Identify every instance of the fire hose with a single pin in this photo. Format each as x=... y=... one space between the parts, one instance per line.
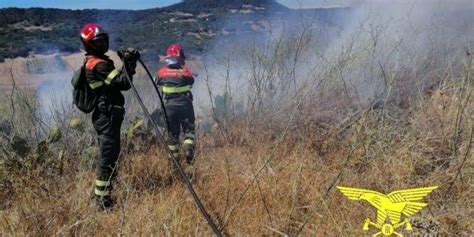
x=161 y=140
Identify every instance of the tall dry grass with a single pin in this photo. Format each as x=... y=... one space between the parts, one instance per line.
x=295 y=188
x=270 y=151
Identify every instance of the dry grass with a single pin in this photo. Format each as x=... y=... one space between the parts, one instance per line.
x=282 y=139
x=375 y=153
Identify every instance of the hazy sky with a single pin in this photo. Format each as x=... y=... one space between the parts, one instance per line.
x=138 y=4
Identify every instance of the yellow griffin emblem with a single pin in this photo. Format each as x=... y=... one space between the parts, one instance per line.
x=391 y=206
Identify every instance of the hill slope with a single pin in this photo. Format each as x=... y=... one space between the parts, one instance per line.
x=192 y=23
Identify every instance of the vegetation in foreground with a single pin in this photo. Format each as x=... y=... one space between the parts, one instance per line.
x=270 y=157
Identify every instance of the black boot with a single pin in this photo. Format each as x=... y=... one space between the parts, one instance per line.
x=104 y=203
x=189 y=154
x=188 y=150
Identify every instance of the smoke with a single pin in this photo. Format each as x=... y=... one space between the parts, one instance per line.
x=232 y=58
x=412 y=37
x=262 y=60
x=54 y=93
x=356 y=3
x=376 y=50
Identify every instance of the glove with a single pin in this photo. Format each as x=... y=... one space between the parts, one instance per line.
x=129 y=56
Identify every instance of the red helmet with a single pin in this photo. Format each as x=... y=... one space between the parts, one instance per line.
x=91 y=32
x=175 y=50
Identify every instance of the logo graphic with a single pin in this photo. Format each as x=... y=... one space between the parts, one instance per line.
x=390 y=206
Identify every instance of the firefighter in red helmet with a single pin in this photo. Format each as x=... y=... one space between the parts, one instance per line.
x=176 y=81
x=107 y=117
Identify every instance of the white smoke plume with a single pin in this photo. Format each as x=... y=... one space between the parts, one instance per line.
x=367 y=48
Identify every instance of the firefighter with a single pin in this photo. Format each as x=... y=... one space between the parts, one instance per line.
x=107 y=82
x=176 y=81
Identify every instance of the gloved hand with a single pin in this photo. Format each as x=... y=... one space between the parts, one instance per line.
x=129 y=56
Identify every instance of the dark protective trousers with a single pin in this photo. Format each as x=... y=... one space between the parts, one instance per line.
x=180 y=116
x=107 y=123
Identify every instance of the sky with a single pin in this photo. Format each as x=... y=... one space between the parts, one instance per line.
x=138 y=4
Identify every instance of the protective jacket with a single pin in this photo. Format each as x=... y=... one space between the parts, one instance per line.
x=175 y=82
x=102 y=76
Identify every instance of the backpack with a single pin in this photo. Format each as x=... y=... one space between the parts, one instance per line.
x=83 y=96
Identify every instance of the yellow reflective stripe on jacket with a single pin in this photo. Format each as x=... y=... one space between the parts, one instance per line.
x=96 y=84
x=102 y=183
x=101 y=193
x=189 y=141
x=181 y=89
x=111 y=76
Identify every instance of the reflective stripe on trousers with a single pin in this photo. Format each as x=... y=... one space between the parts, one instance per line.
x=174 y=150
x=189 y=141
x=102 y=187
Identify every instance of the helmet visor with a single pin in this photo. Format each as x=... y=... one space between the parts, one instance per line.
x=100 y=43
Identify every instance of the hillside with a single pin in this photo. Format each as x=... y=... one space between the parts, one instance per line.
x=197 y=6
x=192 y=23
